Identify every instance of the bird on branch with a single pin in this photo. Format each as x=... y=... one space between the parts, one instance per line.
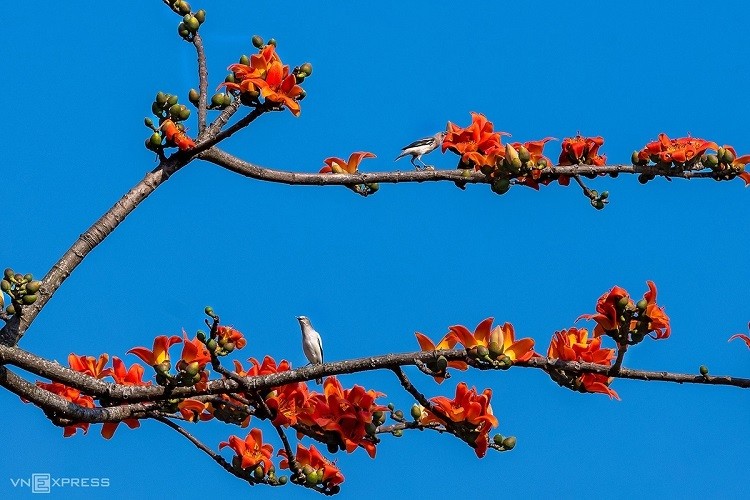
x=422 y=147
x=312 y=344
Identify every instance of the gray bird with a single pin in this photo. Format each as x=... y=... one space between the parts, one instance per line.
x=422 y=147
x=312 y=344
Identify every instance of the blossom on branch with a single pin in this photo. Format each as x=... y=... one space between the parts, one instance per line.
x=473 y=142
x=581 y=150
x=574 y=344
x=160 y=353
x=742 y=337
x=499 y=341
x=339 y=166
x=124 y=376
x=449 y=341
x=681 y=151
x=74 y=396
x=89 y=365
x=250 y=452
x=311 y=460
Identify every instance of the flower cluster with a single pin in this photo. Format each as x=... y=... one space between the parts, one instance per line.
x=617 y=316
x=334 y=165
x=315 y=468
x=264 y=75
x=581 y=150
x=469 y=411
x=575 y=344
x=686 y=153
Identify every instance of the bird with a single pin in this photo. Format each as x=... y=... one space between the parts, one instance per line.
x=312 y=344
x=422 y=147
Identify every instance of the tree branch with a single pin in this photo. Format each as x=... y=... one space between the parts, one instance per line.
x=202 y=82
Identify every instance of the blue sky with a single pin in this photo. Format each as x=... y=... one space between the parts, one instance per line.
x=370 y=272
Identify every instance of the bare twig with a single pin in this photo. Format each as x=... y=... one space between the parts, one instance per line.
x=202 y=82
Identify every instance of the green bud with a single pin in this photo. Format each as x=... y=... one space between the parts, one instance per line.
x=398 y=433
x=704 y=370
x=509 y=443
x=597 y=204
x=711 y=161
x=398 y=414
x=623 y=303
x=209 y=311
x=229 y=78
x=27 y=300
x=217 y=100
x=161 y=98
x=482 y=351
x=172 y=100
x=184 y=113
x=201 y=16
x=182 y=30
x=495 y=349
x=641 y=305
x=228 y=99
x=193 y=368
x=257 y=41
x=163 y=367
x=391 y=406
x=228 y=347
x=332 y=447
x=18 y=278
x=33 y=286
x=306 y=69
x=10 y=310
x=211 y=345
x=155 y=139
x=501 y=185
x=244 y=59
x=416 y=412
x=193 y=96
x=201 y=335
x=5 y=285
x=282 y=479
x=183 y=7
x=498 y=439
x=272 y=41
x=148 y=122
x=192 y=24
x=604 y=195
x=311 y=478
x=727 y=157
x=541 y=163
x=371 y=428
x=634 y=158
x=2 y=301
x=441 y=363
x=156 y=109
x=258 y=473
x=524 y=154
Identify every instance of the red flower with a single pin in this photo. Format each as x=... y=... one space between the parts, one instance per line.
x=680 y=151
x=176 y=135
x=742 y=337
x=74 y=396
x=539 y=161
x=193 y=351
x=447 y=342
x=345 y=412
x=575 y=345
x=581 y=150
x=193 y=410
x=607 y=315
x=160 y=352
x=339 y=166
x=474 y=141
x=90 y=365
x=251 y=452
x=123 y=376
x=467 y=408
x=503 y=336
x=314 y=460
x=227 y=334
x=658 y=321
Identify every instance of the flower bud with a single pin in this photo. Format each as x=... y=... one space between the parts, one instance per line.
x=5 y=285
x=161 y=98
x=524 y=154
x=183 y=7
x=634 y=159
x=509 y=443
x=258 y=473
x=441 y=363
x=193 y=368
x=306 y=69
x=416 y=411
x=371 y=428
x=155 y=140
x=193 y=96
x=642 y=305
x=201 y=16
x=282 y=479
x=498 y=439
x=398 y=433
x=10 y=310
x=257 y=41
x=172 y=100
x=272 y=41
x=184 y=113
x=182 y=30
x=482 y=351
x=501 y=186
x=496 y=349
x=704 y=370
x=244 y=60
x=27 y=300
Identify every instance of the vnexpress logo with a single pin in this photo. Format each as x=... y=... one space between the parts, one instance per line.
x=46 y=483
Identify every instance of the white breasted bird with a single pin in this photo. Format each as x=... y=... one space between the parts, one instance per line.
x=422 y=147
x=312 y=344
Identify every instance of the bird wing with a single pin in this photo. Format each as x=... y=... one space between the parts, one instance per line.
x=320 y=344
x=421 y=142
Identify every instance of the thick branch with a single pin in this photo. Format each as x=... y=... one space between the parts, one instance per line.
x=202 y=82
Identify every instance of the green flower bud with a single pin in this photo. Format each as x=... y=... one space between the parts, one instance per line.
x=228 y=99
x=201 y=16
x=163 y=367
x=272 y=41
x=18 y=278
x=5 y=285
x=501 y=186
x=229 y=78
x=482 y=351
x=33 y=286
x=182 y=30
x=183 y=7
x=391 y=406
x=193 y=96
x=306 y=69
x=373 y=187
x=634 y=158
x=193 y=368
x=228 y=347
x=398 y=414
x=311 y=478
x=192 y=24
x=641 y=305
x=184 y=113
x=371 y=428
x=495 y=349
x=704 y=370
x=161 y=98
x=509 y=443
x=416 y=412
x=398 y=433
x=441 y=364
x=10 y=310
x=148 y=122
x=172 y=100
x=27 y=300
x=155 y=140
x=211 y=345
x=257 y=41
x=727 y=157
x=282 y=479
x=498 y=439
x=524 y=154
x=217 y=100
x=244 y=59
x=201 y=335
x=258 y=473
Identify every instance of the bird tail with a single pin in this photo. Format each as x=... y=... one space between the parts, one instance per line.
x=400 y=156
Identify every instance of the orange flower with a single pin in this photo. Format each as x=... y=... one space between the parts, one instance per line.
x=311 y=457
x=176 y=136
x=74 y=396
x=575 y=345
x=123 y=376
x=160 y=352
x=258 y=67
x=742 y=337
x=447 y=342
x=280 y=86
x=474 y=141
x=658 y=321
x=467 y=408
x=193 y=351
x=193 y=410
x=339 y=166
x=345 y=412
x=251 y=452
x=607 y=315
x=229 y=334
x=680 y=151
x=581 y=150
x=287 y=402
x=503 y=336
x=90 y=365
x=539 y=161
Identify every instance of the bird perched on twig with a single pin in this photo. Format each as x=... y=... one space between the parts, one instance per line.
x=312 y=344
x=422 y=147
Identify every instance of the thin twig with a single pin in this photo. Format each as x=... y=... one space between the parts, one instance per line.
x=202 y=82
